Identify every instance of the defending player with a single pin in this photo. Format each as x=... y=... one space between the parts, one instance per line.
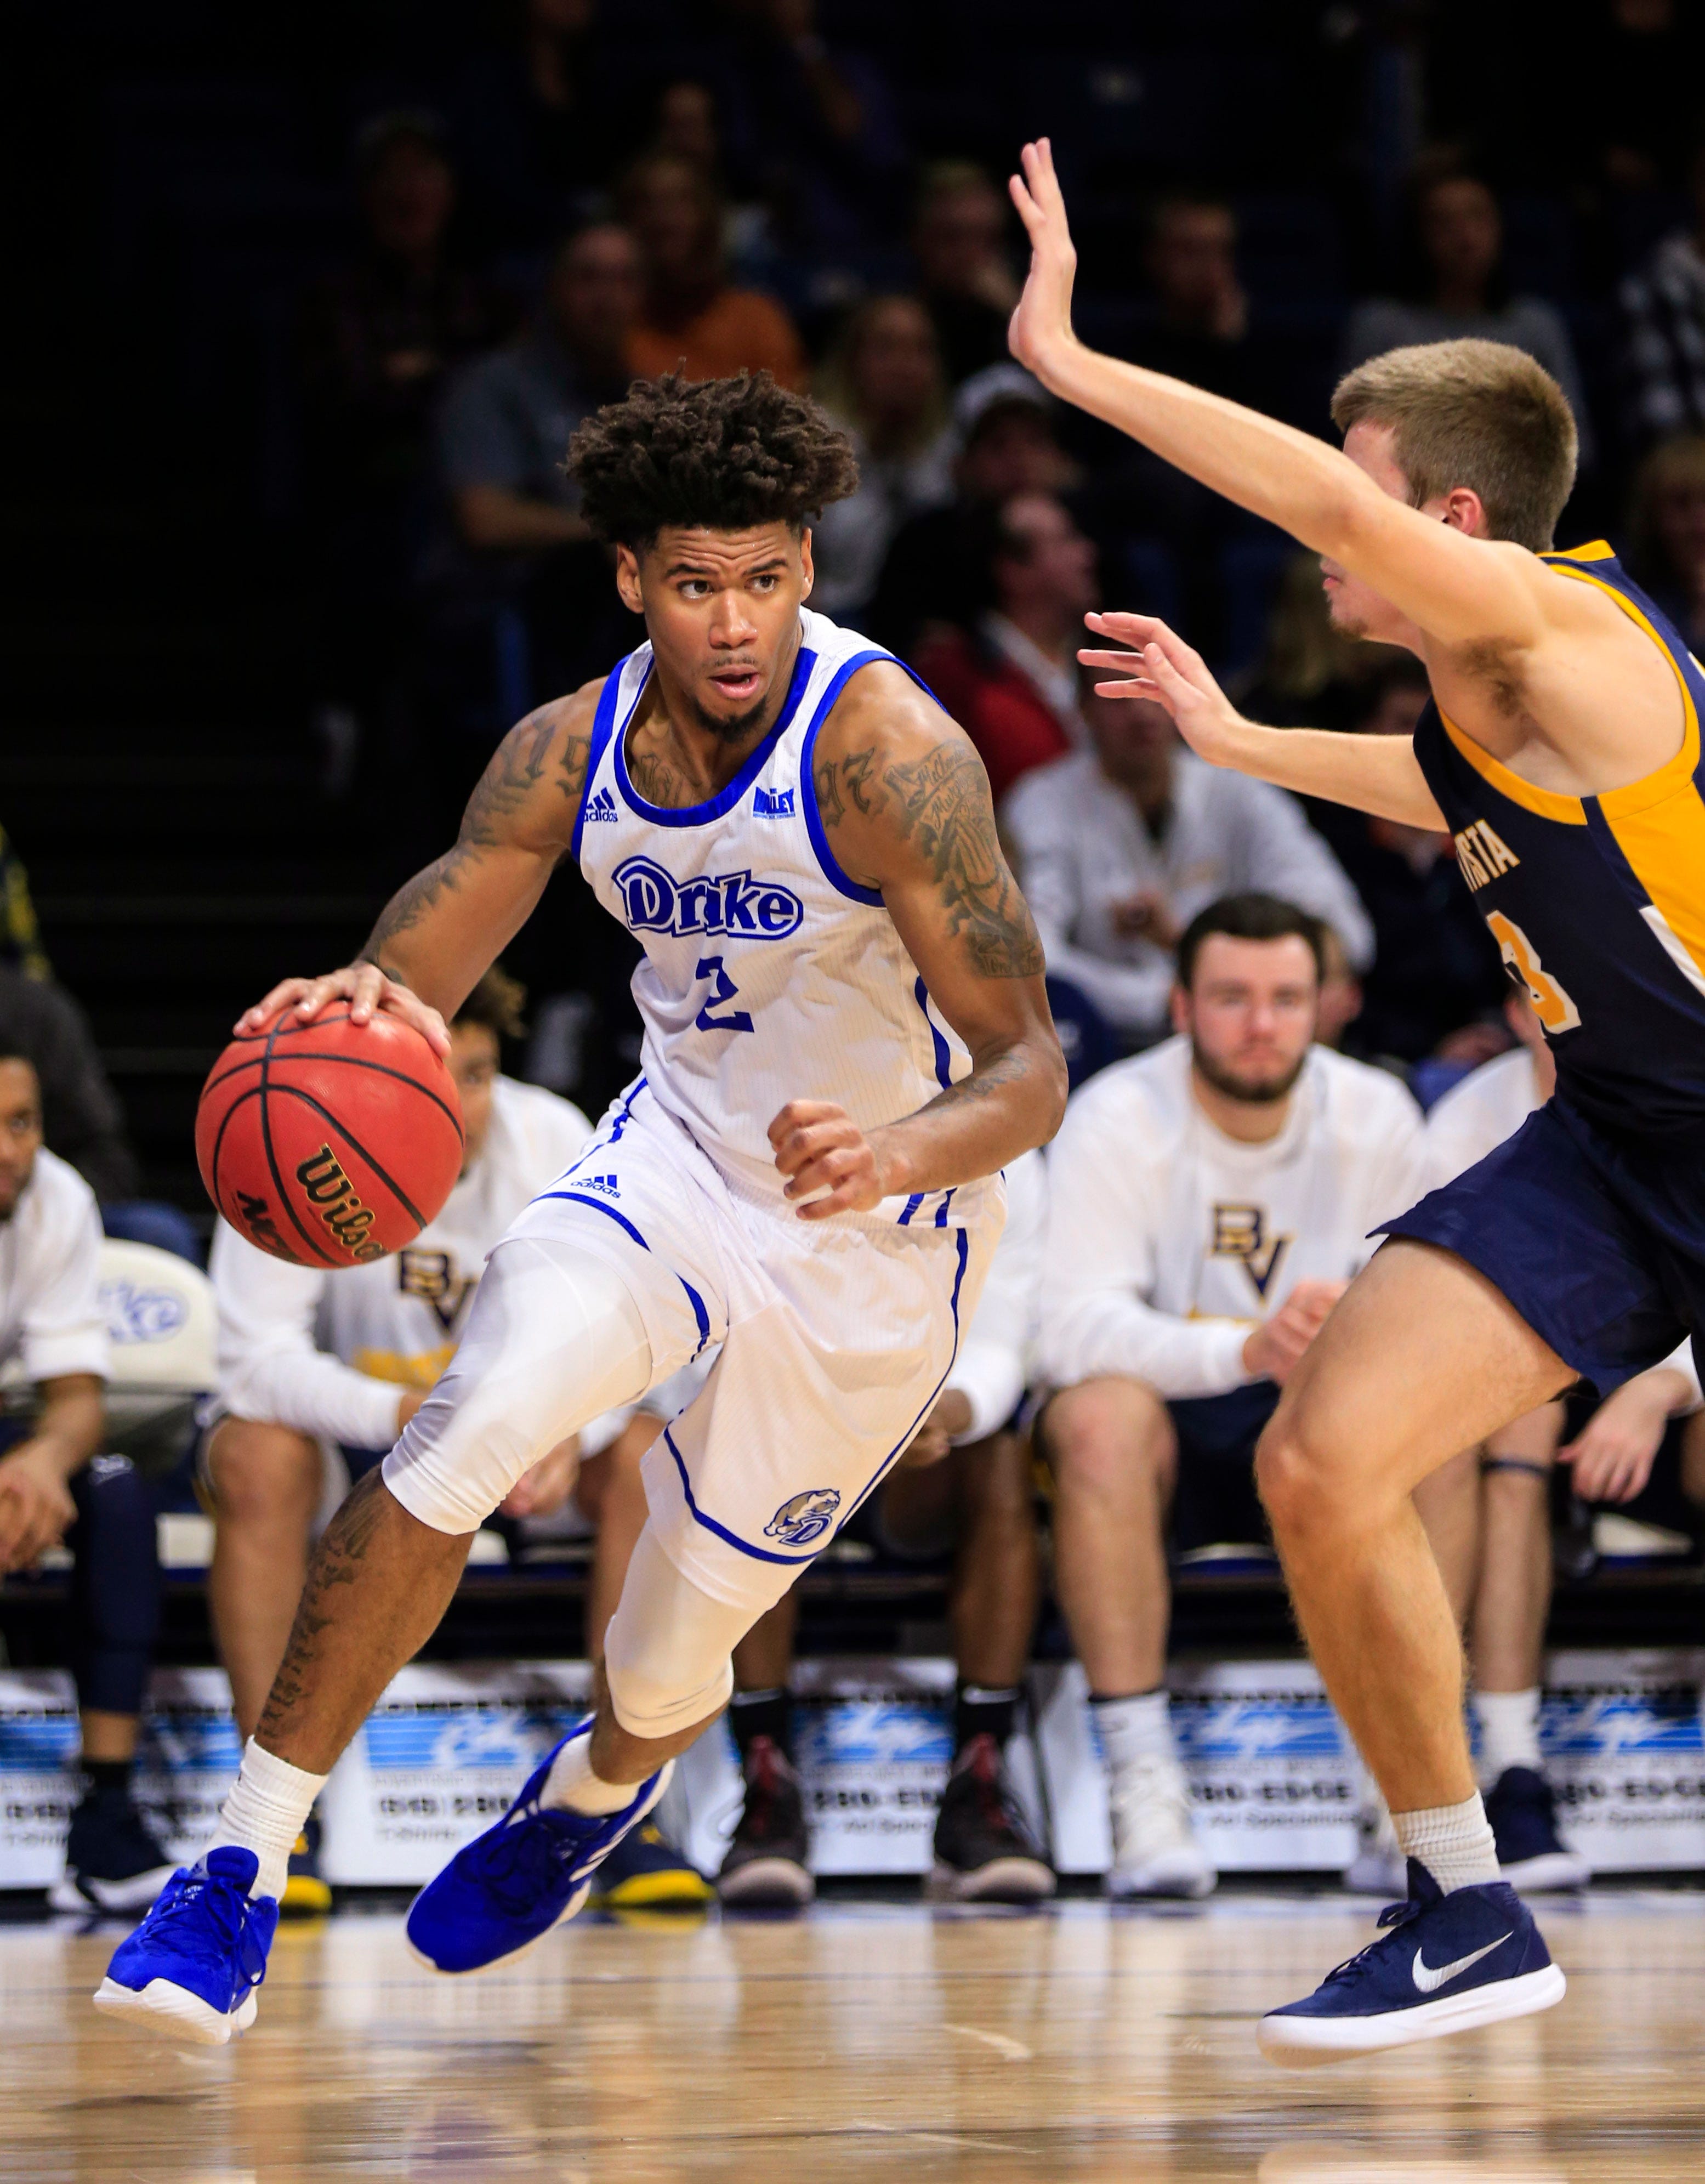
x=1562 y=752
x=846 y=1036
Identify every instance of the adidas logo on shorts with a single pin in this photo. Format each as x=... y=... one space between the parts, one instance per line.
x=605 y=1184
x=603 y=806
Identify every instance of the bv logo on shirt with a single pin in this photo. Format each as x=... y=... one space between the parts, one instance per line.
x=655 y=901
x=1240 y=1232
x=432 y=1277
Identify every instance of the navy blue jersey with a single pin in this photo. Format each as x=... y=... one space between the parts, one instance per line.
x=1598 y=902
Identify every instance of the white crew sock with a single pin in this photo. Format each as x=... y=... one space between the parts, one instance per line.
x=1140 y=1728
x=571 y=1782
x=1509 y=1732
x=1454 y=1842
x=268 y=1803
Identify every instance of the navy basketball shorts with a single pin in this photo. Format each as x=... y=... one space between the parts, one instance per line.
x=1215 y=1502
x=1599 y=1245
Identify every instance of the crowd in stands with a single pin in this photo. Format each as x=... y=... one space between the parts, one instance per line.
x=1263 y=997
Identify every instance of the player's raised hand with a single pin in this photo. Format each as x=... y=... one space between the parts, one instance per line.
x=367 y=988
x=1042 y=324
x=1158 y=664
x=820 y=1149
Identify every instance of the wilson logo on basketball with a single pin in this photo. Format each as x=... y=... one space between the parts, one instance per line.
x=328 y=1190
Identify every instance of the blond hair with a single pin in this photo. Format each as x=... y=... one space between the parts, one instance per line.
x=1478 y=414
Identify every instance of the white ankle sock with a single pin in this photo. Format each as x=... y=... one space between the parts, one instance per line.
x=1454 y=1842
x=269 y=1802
x=1509 y=1732
x=1140 y=1728
x=571 y=1782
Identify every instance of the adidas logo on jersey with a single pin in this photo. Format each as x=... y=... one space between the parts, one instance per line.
x=603 y=806
x=655 y=901
x=773 y=803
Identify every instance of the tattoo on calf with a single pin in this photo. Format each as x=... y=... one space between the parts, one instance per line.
x=337 y=1560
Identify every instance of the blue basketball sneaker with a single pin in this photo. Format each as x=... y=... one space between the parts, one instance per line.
x=191 y=1969
x=1448 y=1964
x=504 y=1891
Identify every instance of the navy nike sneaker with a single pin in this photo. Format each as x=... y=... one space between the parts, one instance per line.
x=192 y=1968
x=504 y=1891
x=1448 y=1964
x=1521 y=1807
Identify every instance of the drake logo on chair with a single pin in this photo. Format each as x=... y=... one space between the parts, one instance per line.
x=805 y=1517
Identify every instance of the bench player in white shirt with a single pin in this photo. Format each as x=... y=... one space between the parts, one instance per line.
x=963 y=1487
x=54 y=1486
x=1209 y=1201
x=846 y=1037
x=1488 y=1515
x=321 y=1369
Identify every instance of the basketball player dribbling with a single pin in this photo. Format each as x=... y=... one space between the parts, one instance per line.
x=1562 y=751
x=846 y=1036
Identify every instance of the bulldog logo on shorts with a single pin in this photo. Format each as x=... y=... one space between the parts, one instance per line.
x=797 y=1522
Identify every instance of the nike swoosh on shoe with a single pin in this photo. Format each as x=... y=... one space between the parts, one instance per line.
x=1428 y=1981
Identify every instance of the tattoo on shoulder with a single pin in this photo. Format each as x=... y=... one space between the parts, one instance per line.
x=943 y=806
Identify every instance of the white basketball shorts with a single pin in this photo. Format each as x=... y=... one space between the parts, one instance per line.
x=836 y=1337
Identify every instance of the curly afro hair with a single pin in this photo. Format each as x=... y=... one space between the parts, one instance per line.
x=725 y=453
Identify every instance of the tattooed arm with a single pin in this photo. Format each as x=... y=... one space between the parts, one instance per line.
x=905 y=806
x=445 y=926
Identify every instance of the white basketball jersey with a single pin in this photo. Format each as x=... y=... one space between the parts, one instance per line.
x=769 y=975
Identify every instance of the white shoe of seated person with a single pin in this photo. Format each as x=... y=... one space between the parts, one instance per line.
x=1379 y=1866
x=1156 y=1848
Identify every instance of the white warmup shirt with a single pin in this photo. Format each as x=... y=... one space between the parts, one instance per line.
x=1475 y=1117
x=1168 y=1240
x=1083 y=849
x=51 y=1319
x=327 y=1351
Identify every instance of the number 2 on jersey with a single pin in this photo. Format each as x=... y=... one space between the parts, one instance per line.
x=724 y=990
x=1551 y=1004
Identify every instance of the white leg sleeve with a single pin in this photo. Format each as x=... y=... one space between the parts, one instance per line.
x=552 y=1339
x=667 y=1654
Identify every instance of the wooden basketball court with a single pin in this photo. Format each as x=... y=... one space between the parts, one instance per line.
x=868 y=2040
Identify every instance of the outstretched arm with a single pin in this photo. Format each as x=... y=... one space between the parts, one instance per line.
x=1378 y=774
x=905 y=803
x=1459 y=588
x=446 y=927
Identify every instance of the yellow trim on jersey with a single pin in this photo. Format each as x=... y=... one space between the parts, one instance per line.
x=1676 y=773
x=1664 y=845
x=1546 y=803
x=1601 y=549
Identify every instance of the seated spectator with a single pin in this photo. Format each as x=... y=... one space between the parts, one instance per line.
x=1120 y=846
x=1209 y=1202
x=1488 y=1513
x=1460 y=290
x=542 y=118
x=1309 y=674
x=691 y=320
x=963 y=1487
x=380 y=334
x=1436 y=986
x=54 y=1486
x=811 y=129
x=20 y=938
x=1663 y=329
x=882 y=381
x=959 y=239
x=1666 y=552
x=82 y=1119
x=502 y=440
x=935 y=576
x=1011 y=683
x=1195 y=326
x=312 y=1362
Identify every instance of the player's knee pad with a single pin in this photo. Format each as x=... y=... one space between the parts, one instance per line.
x=554 y=1341
x=668 y=1653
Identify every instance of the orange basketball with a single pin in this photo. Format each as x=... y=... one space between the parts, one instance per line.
x=329 y=1143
